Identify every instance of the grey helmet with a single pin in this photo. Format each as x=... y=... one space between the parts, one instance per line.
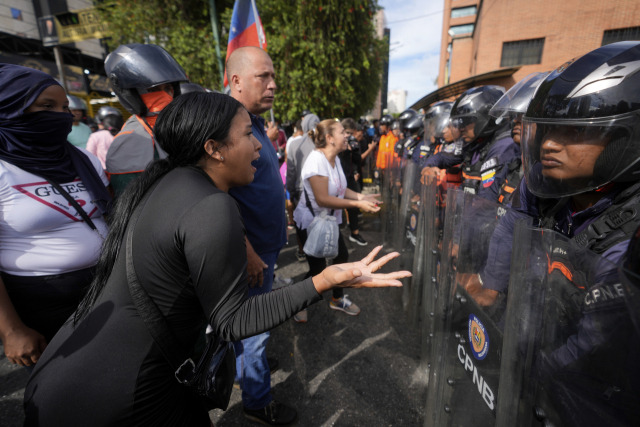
x=105 y=111
x=132 y=68
x=436 y=119
x=414 y=126
x=516 y=100
x=76 y=103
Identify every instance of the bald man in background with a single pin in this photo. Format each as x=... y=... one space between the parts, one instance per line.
x=252 y=81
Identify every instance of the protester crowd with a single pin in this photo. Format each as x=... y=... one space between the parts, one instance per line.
x=145 y=234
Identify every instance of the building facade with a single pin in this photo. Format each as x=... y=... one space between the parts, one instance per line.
x=502 y=41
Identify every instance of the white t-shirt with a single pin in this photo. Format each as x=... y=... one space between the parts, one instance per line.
x=291 y=140
x=40 y=232
x=317 y=164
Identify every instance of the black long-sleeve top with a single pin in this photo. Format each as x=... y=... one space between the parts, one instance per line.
x=189 y=254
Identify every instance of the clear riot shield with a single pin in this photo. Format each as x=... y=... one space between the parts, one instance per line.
x=631 y=282
x=408 y=237
x=394 y=169
x=409 y=195
x=571 y=353
x=467 y=336
x=386 y=194
x=429 y=263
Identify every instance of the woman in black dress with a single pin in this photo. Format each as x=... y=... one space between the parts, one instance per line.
x=104 y=368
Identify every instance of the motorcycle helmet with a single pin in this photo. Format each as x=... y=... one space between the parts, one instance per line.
x=106 y=111
x=133 y=68
x=582 y=127
x=76 y=103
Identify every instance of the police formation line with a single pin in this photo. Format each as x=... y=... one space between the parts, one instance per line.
x=517 y=213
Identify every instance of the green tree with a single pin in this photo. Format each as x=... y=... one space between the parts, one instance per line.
x=182 y=27
x=326 y=55
x=325 y=52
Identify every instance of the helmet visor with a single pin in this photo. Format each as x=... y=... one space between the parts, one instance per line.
x=563 y=158
x=462 y=122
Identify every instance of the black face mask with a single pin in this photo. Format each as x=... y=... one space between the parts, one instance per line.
x=37 y=143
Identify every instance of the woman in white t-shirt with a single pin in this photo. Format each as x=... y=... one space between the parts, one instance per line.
x=325 y=189
x=52 y=200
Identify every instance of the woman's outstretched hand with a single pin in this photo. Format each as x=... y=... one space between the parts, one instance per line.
x=360 y=274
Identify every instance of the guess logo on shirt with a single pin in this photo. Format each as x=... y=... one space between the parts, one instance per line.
x=45 y=193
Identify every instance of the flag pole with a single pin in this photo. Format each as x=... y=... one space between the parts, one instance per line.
x=216 y=36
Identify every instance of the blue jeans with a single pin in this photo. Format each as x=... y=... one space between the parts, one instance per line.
x=252 y=369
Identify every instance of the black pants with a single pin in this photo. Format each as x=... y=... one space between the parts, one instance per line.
x=352 y=184
x=44 y=303
x=316 y=265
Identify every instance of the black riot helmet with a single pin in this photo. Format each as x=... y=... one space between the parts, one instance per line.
x=414 y=127
x=585 y=115
x=133 y=68
x=386 y=119
x=473 y=106
x=436 y=119
x=106 y=111
x=188 y=87
x=406 y=116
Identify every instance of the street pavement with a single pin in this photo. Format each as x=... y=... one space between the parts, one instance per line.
x=336 y=370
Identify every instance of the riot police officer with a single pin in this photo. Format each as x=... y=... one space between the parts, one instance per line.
x=145 y=79
x=403 y=120
x=436 y=132
x=487 y=146
x=511 y=107
x=387 y=142
x=414 y=135
x=581 y=152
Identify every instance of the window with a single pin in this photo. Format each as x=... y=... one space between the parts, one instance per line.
x=461 y=29
x=463 y=11
x=620 y=35
x=522 y=52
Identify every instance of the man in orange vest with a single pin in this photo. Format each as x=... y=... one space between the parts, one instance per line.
x=387 y=142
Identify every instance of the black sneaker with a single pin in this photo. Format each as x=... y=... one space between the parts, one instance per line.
x=357 y=238
x=274 y=414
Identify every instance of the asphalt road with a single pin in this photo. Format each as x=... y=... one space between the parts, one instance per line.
x=336 y=370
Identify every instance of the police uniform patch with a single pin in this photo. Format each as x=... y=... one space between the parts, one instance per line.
x=478 y=338
x=488 y=177
x=413 y=221
x=489 y=164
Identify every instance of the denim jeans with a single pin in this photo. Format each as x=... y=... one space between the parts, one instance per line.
x=252 y=369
